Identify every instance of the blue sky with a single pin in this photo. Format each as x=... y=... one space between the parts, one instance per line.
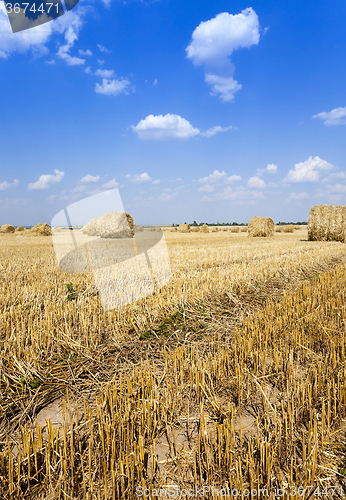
x=195 y=110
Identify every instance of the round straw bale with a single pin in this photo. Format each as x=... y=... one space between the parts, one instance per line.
x=288 y=228
x=205 y=228
x=40 y=230
x=195 y=229
x=20 y=228
x=327 y=223
x=7 y=228
x=297 y=227
x=278 y=229
x=174 y=229
x=243 y=229
x=235 y=229
x=184 y=228
x=110 y=225
x=261 y=226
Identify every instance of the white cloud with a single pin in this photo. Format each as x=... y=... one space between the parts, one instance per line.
x=50 y=62
x=155 y=83
x=215 y=130
x=71 y=27
x=111 y=184
x=214 y=41
x=164 y=127
x=271 y=168
x=332 y=177
x=90 y=178
x=88 y=70
x=338 y=188
x=105 y=73
x=256 y=182
x=103 y=49
x=139 y=178
x=298 y=196
x=22 y=41
x=112 y=87
x=208 y=188
x=223 y=85
x=157 y=182
x=336 y=116
x=100 y=62
x=78 y=189
x=51 y=197
x=217 y=177
x=5 y=185
x=240 y=194
x=308 y=171
x=85 y=52
x=168 y=194
x=45 y=180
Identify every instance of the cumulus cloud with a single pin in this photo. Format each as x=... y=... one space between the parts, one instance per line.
x=111 y=184
x=6 y=185
x=157 y=182
x=208 y=188
x=112 y=87
x=85 y=52
x=164 y=127
x=216 y=130
x=336 y=116
x=214 y=41
x=298 y=196
x=239 y=194
x=90 y=178
x=256 y=182
x=103 y=49
x=217 y=177
x=308 y=171
x=45 y=180
x=71 y=35
x=105 y=73
x=338 y=188
x=271 y=168
x=139 y=178
x=335 y=176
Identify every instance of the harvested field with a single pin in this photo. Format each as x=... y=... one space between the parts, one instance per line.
x=233 y=375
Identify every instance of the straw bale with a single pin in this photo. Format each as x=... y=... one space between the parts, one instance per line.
x=243 y=229
x=278 y=229
x=174 y=229
x=288 y=228
x=261 y=226
x=20 y=228
x=327 y=223
x=184 y=228
x=40 y=230
x=195 y=229
x=297 y=227
x=7 y=228
x=235 y=229
x=205 y=228
x=225 y=229
x=110 y=225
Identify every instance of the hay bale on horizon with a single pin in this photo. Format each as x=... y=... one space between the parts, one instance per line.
x=195 y=229
x=327 y=223
x=204 y=228
x=40 y=230
x=19 y=228
x=174 y=229
x=288 y=228
x=278 y=229
x=297 y=227
x=225 y=229
x=184 y=228
x=235 y=229
x=243 y=229
x=261 y=226
x=7 y=228
x=110 y=225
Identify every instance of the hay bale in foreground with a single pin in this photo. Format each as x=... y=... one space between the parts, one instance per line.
x=7 y=228
x=19 y=228
x=260 y=226
x=110 y=225
x=327 y=223
x=184 y=228
x=235 y=229
x=40 y=230
x=205 y=228
x=289 y=228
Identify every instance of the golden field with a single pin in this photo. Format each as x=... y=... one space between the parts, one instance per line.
x=231 y=376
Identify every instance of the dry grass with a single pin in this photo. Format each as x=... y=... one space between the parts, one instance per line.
x=233 y=375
